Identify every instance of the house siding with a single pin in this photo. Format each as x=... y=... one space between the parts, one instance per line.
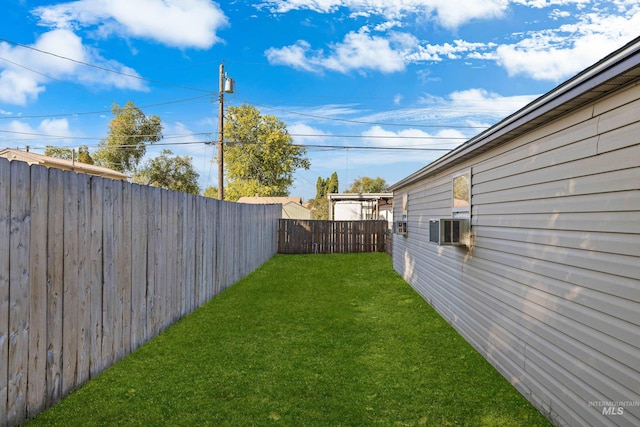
x=549 y=291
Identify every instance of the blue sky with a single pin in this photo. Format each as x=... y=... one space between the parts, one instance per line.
x=371 y=87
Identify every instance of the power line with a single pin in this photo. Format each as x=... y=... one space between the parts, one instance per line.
x=356 y=147
x=170 y=136
x=371 y=123
x=329 y=147
x=451 y=138
x=456 y=138
x=86 y=113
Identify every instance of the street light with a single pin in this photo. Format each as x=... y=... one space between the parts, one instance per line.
x=226 y=85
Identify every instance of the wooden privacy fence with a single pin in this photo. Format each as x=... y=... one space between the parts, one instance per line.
x=296 y=236
x=91 y=268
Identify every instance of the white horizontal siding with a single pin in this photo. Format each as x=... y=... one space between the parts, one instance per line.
x=549 y=292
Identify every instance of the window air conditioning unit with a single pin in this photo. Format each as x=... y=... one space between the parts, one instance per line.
x=449 y=231
x=401 y=227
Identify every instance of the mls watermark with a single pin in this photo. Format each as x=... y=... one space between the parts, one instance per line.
x=614 y=407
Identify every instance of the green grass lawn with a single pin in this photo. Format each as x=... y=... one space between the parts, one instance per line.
x=305 y=340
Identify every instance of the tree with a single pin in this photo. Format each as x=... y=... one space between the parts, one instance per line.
x=320 y=205
x=82 y=155
x=368 y=185
x=129 y=133
x=332 y=184
x=326 y=186
x=260 y=157
x=170 y=172
x=319 y=208
x=211 y=192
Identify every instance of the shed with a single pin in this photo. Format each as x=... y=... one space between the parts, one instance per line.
x=547 y=284
x=360 y=206
x=292 y=207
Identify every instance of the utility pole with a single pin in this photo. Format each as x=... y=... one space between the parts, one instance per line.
x=221 y=136
x=226 y=85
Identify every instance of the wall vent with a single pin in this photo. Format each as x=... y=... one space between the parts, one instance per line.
x=449 y=231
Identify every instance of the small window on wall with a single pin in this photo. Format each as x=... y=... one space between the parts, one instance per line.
x=461 y=206
x=405 y=202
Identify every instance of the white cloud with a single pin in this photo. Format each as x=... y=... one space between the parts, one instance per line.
x=539 y=4
x=363 y=51
x=16 y=88
x=307 y=135
x=483 y=103
x=453 y=50
x=178 y=23
x=444 y=138
x=388 y=25
x=466 y=112
x=559 y=53
x=27 y=71
x=357 y=51
x=559 y=14
x=298 y=55
x=57 y=127
x=54 y=132
x=454 y=13
x=448 y=13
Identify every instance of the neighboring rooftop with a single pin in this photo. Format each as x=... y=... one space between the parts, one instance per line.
x=270 y=200
x=54 y=162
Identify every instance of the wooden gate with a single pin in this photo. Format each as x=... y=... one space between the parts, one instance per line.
x=297 y=236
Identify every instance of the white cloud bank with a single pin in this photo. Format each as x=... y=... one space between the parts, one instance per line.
x=25 y=72
x=448 y=13
x=175 y=23
x=559 y=53
x=28 y=69
x=358 y=51
x=54 y=132
x=550 y=54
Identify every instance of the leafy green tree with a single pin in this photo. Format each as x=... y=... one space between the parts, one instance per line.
x=326 y=186
x=321 y=188
x=332 y=183
x=211 y=192
x=319 y=208
x=368 y=185
x=320 y=205
x=249 y=187
x=170 y=172
x=260 y=157
x=129 y=133
x=82 y=155
x=58 y=152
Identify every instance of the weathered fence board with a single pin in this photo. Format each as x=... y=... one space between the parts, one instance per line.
x=5 y=232
x=84 y=278
x=90 y=269
x=318 y=236
x=70 y=284
x=55 y=280
x=95 y=277
x=36 y=382
x=19 y=291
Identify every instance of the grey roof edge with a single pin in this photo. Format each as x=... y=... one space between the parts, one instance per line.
x=358 y=196
x=71 y=165
x=613 y=65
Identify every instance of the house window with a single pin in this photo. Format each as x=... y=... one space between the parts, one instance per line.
x=461 y=204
